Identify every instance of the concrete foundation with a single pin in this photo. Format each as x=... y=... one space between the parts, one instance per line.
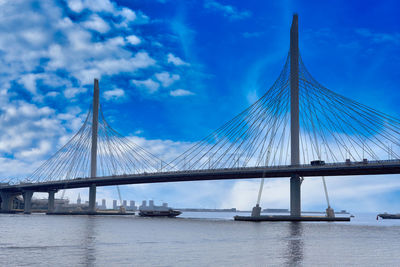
x=330 y=213
x=295 y=196
x=50 y=203
x=290 y=218
x=27 y=201
x=92 y=198
x=6 y=201
x=256 y=211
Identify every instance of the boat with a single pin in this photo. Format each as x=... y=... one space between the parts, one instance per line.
x=157 y=211
x=160 y=213
x=388 y=216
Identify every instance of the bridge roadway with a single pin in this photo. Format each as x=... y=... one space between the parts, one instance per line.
x=336 y=169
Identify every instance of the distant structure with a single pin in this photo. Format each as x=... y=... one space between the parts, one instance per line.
x=42 y=204
x=115 y=207
x=103 y=205
x=151 y=206
x=132 y=206
x=79 y=201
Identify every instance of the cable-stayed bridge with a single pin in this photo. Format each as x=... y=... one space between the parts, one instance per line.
x=295 y=122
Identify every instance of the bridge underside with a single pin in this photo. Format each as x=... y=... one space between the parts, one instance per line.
x=388 y=167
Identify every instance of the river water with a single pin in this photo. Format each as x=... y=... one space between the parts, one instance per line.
x=195 y=239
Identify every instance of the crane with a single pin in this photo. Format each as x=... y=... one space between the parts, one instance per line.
x=122 y=209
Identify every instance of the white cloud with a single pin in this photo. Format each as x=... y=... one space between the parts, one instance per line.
x=115 y=42
x=228 y=11
x=114 y=94
x=44 y=147
x=180 y=92
x=138 y=132
x=53 y=57
x=34 y=36
x=49 y=39
x=166 y=78
x=95 y=5
x=133 y=39
x=72 y=92
x=111 y=66
x=128 y=14
x=100 y=5
x=149 y=85
x=96 y=23
x=24 y=124
x=75 y=5
x=378 y=37
x=52 y=94
x=176 y=60
x=167 y=150
x=29 y=82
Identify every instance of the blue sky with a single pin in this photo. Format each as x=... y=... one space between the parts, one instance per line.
x=171 y=71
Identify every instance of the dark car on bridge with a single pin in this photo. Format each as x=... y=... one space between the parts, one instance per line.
x=317 y=163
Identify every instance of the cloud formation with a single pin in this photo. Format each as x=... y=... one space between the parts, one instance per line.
x=50 y=53
x=148 y=85
x=114 y=94
x=166 y=78
x=228 y=11
x=378 y=37
x=176 y=60
x=180 y=92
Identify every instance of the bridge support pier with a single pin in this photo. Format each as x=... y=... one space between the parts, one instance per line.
x=92 y=198
x=256 y=212
x=6 y=201
x=27 y=201
x=50 y=203
x=295 y=195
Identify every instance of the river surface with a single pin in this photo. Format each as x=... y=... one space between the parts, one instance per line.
x=195 y=239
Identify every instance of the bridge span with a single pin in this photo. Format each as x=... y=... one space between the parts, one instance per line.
x=336 y=169
x=7 y=191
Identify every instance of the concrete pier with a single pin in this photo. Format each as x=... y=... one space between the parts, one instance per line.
x=290 y=218
x=50 y=203
x=295 y=195
x=6 y=201
x=256 y=211
x=92 y=198
x=27 y=201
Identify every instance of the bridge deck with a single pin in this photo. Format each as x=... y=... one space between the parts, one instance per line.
x=339 y=169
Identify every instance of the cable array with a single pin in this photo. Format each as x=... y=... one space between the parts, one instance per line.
x=116 y=155
x=333 y=128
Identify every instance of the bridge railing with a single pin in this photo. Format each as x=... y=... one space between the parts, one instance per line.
x=326 y=165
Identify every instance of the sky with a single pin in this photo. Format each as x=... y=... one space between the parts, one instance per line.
x=172 y=71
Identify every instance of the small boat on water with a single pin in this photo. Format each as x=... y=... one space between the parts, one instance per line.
x=160 y=213
x=388 y=216
x=157 y=211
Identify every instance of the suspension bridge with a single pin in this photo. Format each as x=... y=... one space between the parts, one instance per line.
x=297 y=129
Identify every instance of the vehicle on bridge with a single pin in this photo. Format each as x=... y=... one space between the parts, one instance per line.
x=317 y=163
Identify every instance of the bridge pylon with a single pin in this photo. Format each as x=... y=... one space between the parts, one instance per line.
x=93 y=155
x=295 y=183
